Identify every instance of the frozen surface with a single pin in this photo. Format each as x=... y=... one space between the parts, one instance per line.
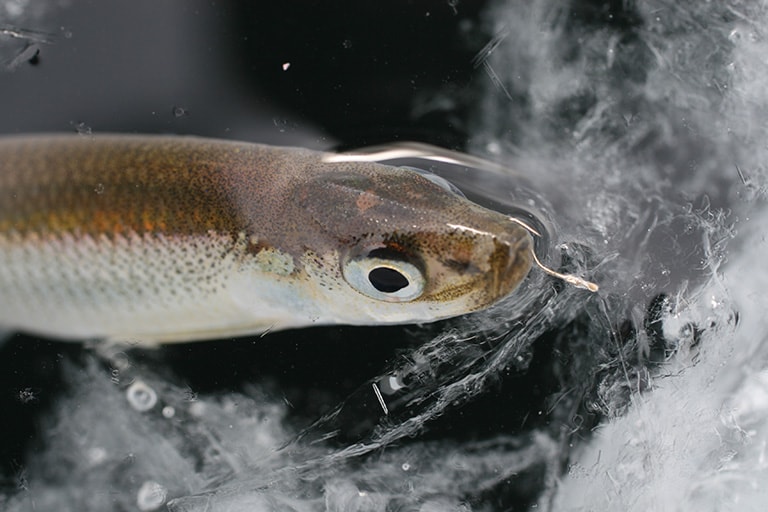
x=697 y=440
x=642 y=127
x=668 y=110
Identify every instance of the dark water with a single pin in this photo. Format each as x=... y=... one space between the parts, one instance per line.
x=637 y=128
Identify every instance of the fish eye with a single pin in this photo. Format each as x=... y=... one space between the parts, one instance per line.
x=387 y=280
x=385 y=276
x=437 y=180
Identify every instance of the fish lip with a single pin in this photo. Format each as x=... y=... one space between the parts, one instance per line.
x=510 y=263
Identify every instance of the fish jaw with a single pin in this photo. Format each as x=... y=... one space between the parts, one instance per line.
x=327 y=298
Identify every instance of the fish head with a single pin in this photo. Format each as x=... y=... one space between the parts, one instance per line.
x=407 y=247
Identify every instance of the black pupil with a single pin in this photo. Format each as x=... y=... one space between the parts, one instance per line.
x=387 y=280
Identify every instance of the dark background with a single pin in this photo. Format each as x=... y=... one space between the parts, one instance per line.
x=359 y=72
x=317 y=74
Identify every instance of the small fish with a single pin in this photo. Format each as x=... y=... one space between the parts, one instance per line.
x=154 y=239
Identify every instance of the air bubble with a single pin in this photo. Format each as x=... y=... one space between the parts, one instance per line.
x=391 y=384
x=180 y=111
x=151 y=496
x=141 y=396
x=81 y=127
x=27 y=395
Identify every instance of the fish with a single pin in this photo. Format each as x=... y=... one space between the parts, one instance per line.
x=156 y=239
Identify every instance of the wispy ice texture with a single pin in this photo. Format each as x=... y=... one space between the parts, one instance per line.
x=642 y=127
x=641 y=109
x=697 y=440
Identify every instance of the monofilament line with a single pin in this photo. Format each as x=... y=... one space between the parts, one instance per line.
x=568 y=278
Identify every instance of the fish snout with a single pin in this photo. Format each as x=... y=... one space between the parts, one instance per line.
x=510 y=261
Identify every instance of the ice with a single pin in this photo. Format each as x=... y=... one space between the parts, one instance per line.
x=643 y=131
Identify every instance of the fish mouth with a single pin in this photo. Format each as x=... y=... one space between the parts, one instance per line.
x=510 y=261
x=498 y=267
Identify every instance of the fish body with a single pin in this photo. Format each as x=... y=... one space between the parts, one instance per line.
x=156 y=239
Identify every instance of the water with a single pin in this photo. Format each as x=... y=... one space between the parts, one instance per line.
x=639 y=131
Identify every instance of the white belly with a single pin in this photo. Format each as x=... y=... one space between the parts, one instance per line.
x=133 y=289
